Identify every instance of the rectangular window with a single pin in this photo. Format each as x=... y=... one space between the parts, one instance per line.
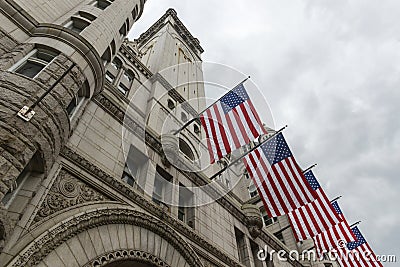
x=186 y=211
x=254 y=250
x=75 y=103
x=135 y=167
x=242 y=247
x=34 y=63
x=266 y=219
x=279 y=235
x=253 y=190
x=123 y=89
x=109 y=77
x=162 y=190
x=127 y=177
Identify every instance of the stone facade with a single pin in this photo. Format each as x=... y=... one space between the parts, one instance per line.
x=80 y=179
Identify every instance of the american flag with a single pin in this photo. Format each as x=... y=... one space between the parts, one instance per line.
x=338 y=210
x=358 y=253
x=279 y=180
x=230 y=123
x=315 y=217
x=334 y=237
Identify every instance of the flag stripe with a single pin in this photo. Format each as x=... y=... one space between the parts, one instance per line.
x=258 y=120
x=226 y=122
x=225 y=147
x=211 y=147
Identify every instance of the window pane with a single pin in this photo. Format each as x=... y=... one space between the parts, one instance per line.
x=122 y=88
x=30 y=69
x=71 y=107
x=109 y=77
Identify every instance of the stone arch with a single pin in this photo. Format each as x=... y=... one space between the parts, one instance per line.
x=113 y=233
x=135 y=256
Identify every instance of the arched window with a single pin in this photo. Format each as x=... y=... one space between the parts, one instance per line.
x=32 y=64
x=185 y=148
x=102 y=4
x=106 y=57
x=126 y=82
x=184 y=117
x=77 y=24
x=171 y=104
x=123 y=30
x=196 y=129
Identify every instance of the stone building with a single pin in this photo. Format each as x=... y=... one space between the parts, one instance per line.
x=85 y=176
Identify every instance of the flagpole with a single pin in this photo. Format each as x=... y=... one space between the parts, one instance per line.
x=198 y=114
x=309 y=168
x=355 y=224
x=248 y=152
x=339 y=197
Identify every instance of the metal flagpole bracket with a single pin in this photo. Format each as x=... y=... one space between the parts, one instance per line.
x=26 y=113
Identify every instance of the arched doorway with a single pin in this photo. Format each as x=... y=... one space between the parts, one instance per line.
x=105 y=234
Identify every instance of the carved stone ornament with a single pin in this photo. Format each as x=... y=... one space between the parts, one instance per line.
x=67 y=191
x=127 y=255
x=37 y=250
x=254 y=221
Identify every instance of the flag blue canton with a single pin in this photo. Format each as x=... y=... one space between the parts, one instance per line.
x=276 y=149
x=336 y=207
x=312 y=180
x=234 y=98
x=360 y=239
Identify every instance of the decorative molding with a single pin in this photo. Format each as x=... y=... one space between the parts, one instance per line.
x=51 y=239
x=253 y=220
x=136 y=62
x=67 y=191
x=126 y=255
x=193 y=42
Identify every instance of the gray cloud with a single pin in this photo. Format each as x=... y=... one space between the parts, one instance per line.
x=329 y=69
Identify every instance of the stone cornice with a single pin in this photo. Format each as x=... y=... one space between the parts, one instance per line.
x=193 y=42
x=136 y=62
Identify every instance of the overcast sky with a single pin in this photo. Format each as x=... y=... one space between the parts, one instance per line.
x=330 y=70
